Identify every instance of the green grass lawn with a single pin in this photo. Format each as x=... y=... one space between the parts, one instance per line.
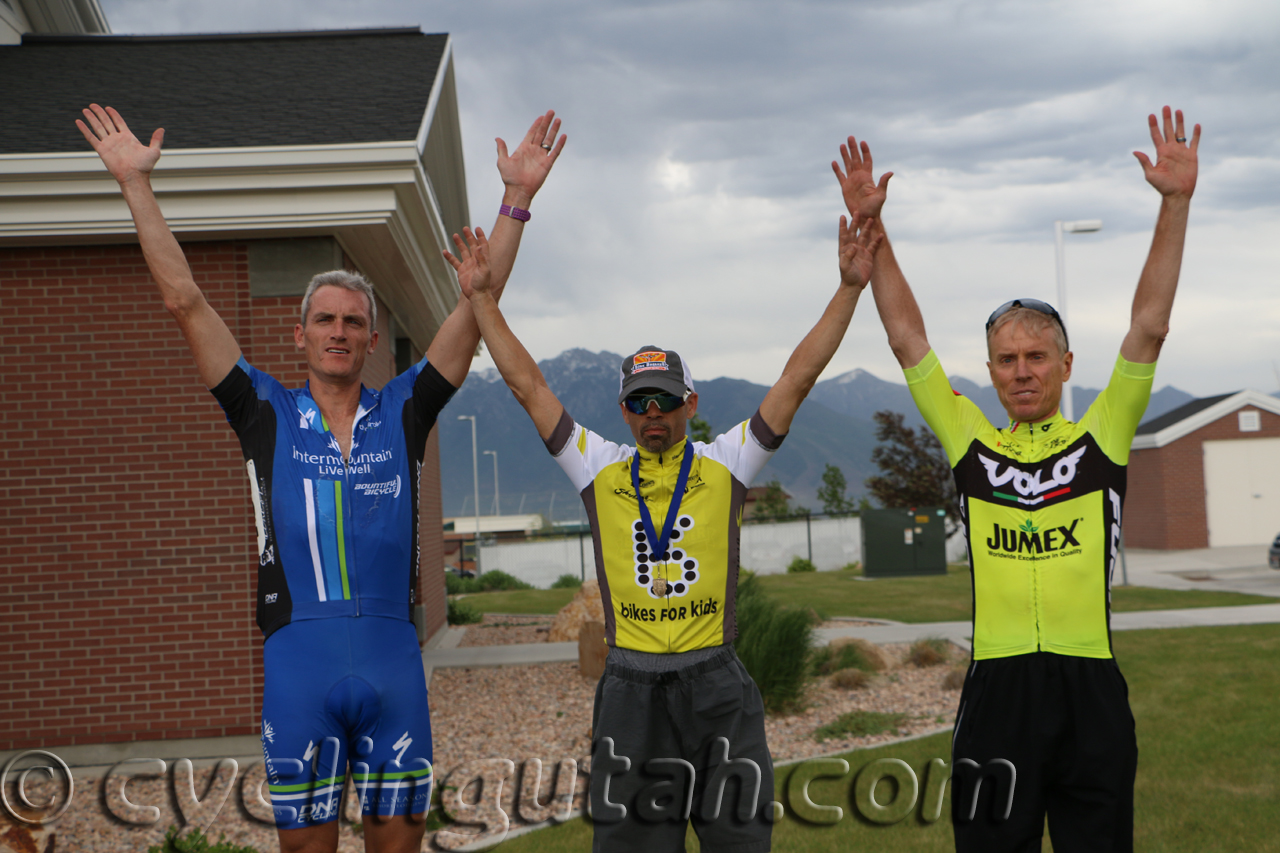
x=932 y=598
x=947 y=598
x=1208 y=772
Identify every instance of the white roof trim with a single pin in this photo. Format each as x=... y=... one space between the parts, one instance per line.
x=437 y=88
x=375 y=198
x=1204 y=417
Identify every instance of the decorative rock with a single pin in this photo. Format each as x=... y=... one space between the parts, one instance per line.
x=592 y=650
x=586 y=606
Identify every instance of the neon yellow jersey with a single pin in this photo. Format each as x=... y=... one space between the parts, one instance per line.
x=1042 y=505
x=701 y=562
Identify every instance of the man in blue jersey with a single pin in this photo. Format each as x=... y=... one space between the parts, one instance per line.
x=333 y=473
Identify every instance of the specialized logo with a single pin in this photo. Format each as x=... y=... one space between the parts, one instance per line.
x=1028 y=538
x=649 y=361
x=1030 y=489
x=402 y=745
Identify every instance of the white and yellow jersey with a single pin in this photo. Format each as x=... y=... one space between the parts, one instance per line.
x=700 y=564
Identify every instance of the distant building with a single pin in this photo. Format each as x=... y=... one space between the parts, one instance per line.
x=129 y=567
x=1206 y=474
x=460 y=534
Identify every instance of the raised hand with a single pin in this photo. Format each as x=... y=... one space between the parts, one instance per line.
x=472 y=262
x=858 y=251
x=862 y=195
x=524 y=169
x=1176 y=166
x=124 y=156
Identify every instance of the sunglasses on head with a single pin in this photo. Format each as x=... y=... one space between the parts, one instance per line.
x=638 y=404
x=1034 y=305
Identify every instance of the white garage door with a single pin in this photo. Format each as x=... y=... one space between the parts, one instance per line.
x=1242 y=490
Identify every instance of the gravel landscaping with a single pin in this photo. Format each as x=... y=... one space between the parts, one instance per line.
x=541 y=711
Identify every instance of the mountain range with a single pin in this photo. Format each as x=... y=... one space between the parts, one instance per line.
x=834 y=426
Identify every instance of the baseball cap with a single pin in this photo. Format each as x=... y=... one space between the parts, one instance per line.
x=654 y=367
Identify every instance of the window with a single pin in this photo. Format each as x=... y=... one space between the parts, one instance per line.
x=1250 y=420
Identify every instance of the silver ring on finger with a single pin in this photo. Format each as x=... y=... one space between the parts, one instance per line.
x=546 y=147
x=1179 y=139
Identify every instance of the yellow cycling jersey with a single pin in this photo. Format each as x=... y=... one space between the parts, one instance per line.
x=1042 y=505
x=700 y=565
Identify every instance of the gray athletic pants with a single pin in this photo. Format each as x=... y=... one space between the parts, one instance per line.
x=669 y=747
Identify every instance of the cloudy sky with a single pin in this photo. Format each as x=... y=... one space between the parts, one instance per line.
x=695 y=207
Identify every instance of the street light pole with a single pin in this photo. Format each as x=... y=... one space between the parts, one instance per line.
x=1079 y=226
x=497 y=503
x=475 y=480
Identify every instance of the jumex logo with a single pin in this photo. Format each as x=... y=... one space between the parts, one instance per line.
x=1029 y=487
x=1029 y=539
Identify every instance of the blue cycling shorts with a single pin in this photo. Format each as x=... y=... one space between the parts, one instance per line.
x=346 y=689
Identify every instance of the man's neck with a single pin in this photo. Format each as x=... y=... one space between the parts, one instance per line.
x=338 y=403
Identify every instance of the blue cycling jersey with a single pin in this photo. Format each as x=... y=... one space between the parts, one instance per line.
x=336 y=537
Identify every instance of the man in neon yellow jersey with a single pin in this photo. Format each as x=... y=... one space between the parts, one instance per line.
x=1044 y=724
x=675 y=713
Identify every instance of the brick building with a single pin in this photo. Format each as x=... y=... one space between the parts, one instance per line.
x=1206 y=474
x=129 y=555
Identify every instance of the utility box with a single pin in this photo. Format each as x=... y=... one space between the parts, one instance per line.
x=902 y=542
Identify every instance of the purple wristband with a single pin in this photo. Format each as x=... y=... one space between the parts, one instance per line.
x=514 y=212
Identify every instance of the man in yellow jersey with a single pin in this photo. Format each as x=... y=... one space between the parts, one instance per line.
x=676 y=715
x=1044 y=724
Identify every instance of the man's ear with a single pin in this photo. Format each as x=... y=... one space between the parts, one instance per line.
x=691 y=405
x=373 y=341
x=1067 y=360
x=299 y=337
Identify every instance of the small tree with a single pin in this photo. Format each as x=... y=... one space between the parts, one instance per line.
x=915 y=470
x=832 y=494
x=700 y=430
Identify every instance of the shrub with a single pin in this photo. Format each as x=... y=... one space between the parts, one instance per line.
x=567 y=582
x=954 y=679
x=930 y=651
x=493 y=581
x=860 y=724
x=498 y=580
x=846 y=654
x=850 y=679
x=773 y=644
x=799 y=565
x=462 y=613
x=194 y=842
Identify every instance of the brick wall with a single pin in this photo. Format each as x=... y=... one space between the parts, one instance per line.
x=127 y=592
x=1165 y=505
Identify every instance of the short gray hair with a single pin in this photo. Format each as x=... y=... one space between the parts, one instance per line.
x=347 y=280
x=1033 y=321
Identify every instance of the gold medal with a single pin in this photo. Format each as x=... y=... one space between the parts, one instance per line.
x=660 y=586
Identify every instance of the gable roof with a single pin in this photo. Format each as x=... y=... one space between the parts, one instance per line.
x=1184 y=411
x=222 y=91
x=1190 y=417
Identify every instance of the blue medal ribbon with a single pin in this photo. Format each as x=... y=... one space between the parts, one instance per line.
x=658 y=546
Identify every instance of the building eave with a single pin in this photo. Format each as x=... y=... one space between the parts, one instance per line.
x=1204 y=417
x=375 y=198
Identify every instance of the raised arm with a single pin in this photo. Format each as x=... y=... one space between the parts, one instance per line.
x=857 y=249
x=1174 y=175
x=130 y=163
x=895 y=302
x=523 y=172
x=517 y=367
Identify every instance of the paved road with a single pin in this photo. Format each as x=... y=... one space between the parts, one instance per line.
x=887 y=632
x=1241 y=568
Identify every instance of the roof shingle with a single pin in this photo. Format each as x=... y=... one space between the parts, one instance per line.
x=221 y=91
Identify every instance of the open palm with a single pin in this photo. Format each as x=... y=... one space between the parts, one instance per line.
x=124 y=156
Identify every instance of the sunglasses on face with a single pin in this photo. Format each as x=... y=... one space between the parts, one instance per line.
x=638 y=404
x=1033 y=304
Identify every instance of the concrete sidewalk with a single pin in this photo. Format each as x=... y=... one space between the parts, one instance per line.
x=1238 y=568
x=885 y=632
